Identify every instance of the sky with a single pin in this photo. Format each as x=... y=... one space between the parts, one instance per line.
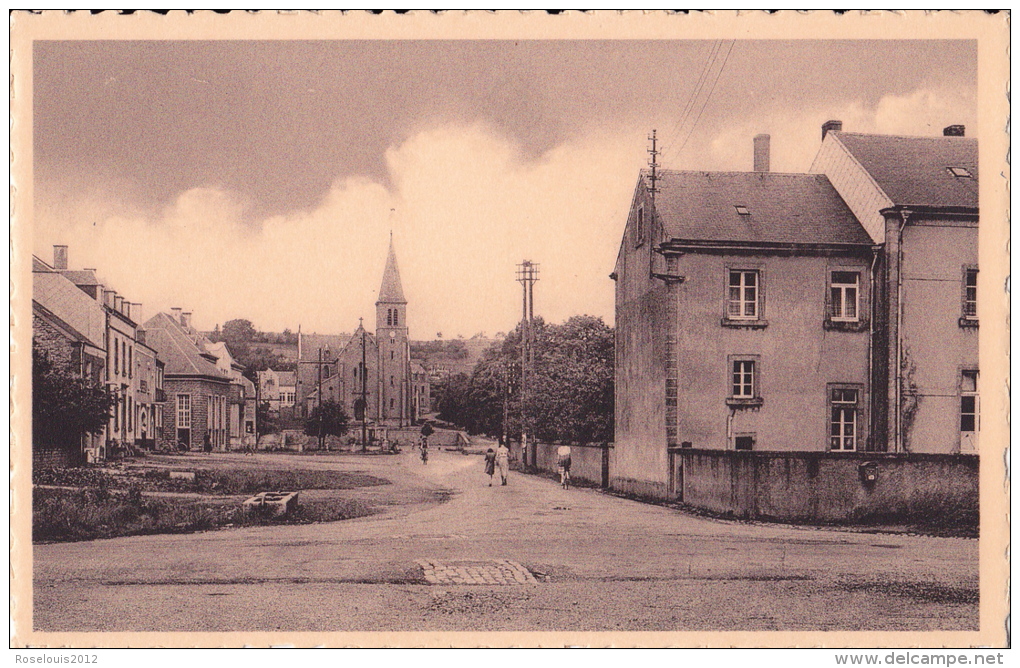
x=262 y=179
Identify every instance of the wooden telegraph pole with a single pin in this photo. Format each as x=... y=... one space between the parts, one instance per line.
x=527 y=275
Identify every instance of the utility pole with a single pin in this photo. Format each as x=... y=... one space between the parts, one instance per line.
x=653 y=164
x=321 y=438
x=527 y=275
x=364 y=391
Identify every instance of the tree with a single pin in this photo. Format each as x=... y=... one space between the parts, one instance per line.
x=237 y=331
x=66 y=406
x=571 y=388
x=265 y=420
x=334 y=420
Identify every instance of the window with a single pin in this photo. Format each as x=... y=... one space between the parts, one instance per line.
x=743 y=379
x=970 y=294
x=968 y=402
x=396 y=318
x=960 y=172
x=744 y=442
x=131 y=362
x=389 y=317
x=845 y=295
x=116 y=357
x=843 y=421
x=184 y=411
x=392 y=353
x=742 y=210
x=391 y=381
x=391 y=403
x=742 y=300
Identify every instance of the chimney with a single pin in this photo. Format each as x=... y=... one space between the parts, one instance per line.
x=118 y=303
x=108 y=297
x=126 y=308
x=761 y=153
x=831 y=126
x=186 y=319
x=176 y=311
x=60 y=258
x=954 y=131
x=136 y=308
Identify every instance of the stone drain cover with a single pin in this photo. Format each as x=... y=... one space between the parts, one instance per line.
x=492 y=572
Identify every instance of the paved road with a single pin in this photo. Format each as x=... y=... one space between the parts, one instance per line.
x=599 y=563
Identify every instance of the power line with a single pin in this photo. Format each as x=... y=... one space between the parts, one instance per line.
x=696 y=91
x=718 y=75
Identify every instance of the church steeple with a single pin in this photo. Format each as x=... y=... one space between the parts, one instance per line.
x=391 y=291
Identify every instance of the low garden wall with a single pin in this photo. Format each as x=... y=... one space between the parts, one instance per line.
x=589 y=463
x=828 y=486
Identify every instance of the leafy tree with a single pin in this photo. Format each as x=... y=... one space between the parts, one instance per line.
x=334 y=420
x=238 y=331
x=66 y=406
x=265 y=420
x=571 y=397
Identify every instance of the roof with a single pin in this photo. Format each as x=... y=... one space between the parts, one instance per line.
x=310 y=344
x=391 y=292
x=781 y=208
x=183 y=352
x=84 y=277
x=64 y=300
x=914 y=171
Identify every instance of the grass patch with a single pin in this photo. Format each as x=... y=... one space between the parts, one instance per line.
x=207 y=481
x=99 y=512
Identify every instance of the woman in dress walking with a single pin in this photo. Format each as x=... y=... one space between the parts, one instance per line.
x=503 y=461
x=490 y=464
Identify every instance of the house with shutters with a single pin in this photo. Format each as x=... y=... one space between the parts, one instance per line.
x=775 y=329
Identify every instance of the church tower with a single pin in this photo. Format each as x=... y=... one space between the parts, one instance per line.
x=394 y=350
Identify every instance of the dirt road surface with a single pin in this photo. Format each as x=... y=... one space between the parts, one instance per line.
x=595 y=562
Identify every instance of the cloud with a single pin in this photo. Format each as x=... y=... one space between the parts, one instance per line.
x=465 y=206
x=795 y=130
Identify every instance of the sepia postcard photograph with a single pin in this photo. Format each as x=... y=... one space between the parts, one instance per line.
x=463 y=329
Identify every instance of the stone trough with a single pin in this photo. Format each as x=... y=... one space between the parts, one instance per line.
x=274 y=504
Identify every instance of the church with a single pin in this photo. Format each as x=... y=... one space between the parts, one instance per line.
x=371 y=376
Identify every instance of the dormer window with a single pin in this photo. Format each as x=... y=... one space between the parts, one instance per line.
x=960 y=172
x=639 y=226
x=742 y=210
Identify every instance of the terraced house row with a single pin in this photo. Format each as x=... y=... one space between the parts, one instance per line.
x=174 y=388
x=802 y=344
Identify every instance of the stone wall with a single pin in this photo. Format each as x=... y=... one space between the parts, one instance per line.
x=826 y=486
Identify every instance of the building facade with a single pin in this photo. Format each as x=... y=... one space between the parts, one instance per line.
x=368 y=374
x=828 y=312
x=195 y=414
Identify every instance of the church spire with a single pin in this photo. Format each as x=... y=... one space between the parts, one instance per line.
x=391 y=292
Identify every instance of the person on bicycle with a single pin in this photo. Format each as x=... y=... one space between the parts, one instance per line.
x=423 y=442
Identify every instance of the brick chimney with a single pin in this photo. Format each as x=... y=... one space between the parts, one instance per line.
x=176 y=311
x=761 y=153
x=109 y=297
x=831 y=126
x=954 y=131
x=136 y=308
x=186 y=319
x=118 y=303
x=60 y=258
x=126 y=308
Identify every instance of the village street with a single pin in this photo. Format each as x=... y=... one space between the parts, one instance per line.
x=599 y=563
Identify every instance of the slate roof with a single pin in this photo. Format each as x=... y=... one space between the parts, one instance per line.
x=391 y=291
x=183 y=352
x=782 y=208
x=84 y=277
x=310 y=344
x=67 y=302
x=913 y=171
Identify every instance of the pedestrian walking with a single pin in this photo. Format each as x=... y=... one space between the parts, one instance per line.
x=503 y=461
x=563 y=465
x=490 y=464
